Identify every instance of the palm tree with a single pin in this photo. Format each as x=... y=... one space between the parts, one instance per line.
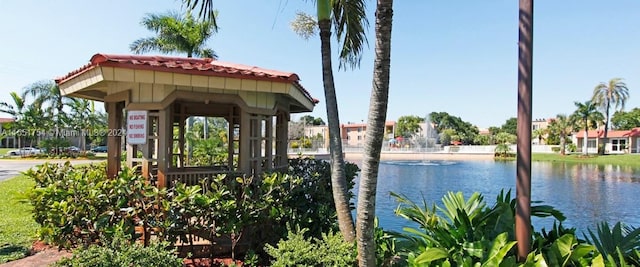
x=16 y=110
x=588 y=116
x=615 y=93
x=179 y=34
x=375 y=135
x=349 y=20
x=47 y=95
x=562 y=126
x=539 y=134
x=83 y=119
x=176 y=34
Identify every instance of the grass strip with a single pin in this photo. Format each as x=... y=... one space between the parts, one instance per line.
x=17 y=227
x=632 y=160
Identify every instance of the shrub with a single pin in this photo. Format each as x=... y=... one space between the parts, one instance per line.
x=297 y=250
x=503 y=151
x=121 y=252
x=82 y=206
x=316 y=188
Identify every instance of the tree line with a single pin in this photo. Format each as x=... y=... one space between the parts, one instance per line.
x=607 y=98
x=44 y=117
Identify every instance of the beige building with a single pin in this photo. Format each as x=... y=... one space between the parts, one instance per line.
x=353 y=134
x=318 y=131
x=539 y=124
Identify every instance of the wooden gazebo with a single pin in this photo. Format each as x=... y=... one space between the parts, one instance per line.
x=158 y=94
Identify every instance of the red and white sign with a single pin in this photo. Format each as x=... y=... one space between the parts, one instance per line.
x=137 y=127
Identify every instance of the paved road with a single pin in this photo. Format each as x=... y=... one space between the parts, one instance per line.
x=12 y=167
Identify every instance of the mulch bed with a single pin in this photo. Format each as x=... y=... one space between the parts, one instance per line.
x=42 y=254
x=207 y=262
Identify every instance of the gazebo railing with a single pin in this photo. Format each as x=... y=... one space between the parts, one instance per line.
x=196 y=175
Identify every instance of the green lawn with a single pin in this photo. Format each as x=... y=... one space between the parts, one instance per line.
x=622 y=160
x=17 y=227
x=3 y=151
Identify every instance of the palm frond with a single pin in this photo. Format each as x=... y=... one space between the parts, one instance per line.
x=206 y=10
x=350 y=22
x=144 y=45
x=174 y=33
x=208 y=52
x=304 y=25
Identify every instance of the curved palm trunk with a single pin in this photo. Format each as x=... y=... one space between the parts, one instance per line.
x=338 y=180
x=375 y=135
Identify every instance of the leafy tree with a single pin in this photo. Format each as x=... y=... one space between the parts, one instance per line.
x=408 y=125
x=176 y=33
x=446 y=136
x=482 y=140
x=494 y=130
x=607 y=95
x=465 y=130
x=561 y=126
x=311 y=120
x=587 y=117
x=510 y=126
x=626 y=120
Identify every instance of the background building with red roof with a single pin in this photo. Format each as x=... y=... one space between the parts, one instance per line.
x=620 y=141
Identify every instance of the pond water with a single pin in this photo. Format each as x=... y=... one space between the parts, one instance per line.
x=586 y=194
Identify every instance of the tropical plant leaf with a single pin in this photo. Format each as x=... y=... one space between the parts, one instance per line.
x=432 y=254
x=619 y=240
x=499 y=250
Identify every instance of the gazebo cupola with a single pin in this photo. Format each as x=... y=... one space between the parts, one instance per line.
x=158 y=94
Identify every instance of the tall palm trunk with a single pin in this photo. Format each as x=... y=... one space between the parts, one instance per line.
x=523 y=158
x=605 y=139
x=585 y=145
x=338 y=179
x=375 y=135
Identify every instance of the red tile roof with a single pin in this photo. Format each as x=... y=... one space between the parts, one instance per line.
x=635 y=132
x=5 y=120
x=196 y=66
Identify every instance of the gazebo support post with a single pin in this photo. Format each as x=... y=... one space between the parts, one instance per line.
x=114 y=138
x=282 y=130
x=165 y=144
x=244 y=147
x=269 y=144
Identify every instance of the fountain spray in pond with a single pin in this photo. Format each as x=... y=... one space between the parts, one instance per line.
x=427 y=137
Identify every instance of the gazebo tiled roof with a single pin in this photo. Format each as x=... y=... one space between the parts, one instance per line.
x=197 y=66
